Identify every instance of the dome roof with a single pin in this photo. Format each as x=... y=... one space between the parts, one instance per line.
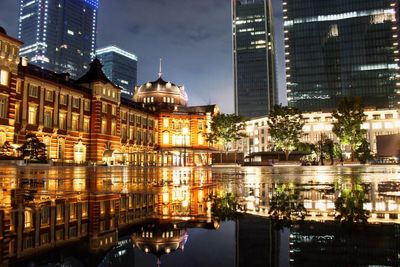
x=3 y=31
x=160 y=90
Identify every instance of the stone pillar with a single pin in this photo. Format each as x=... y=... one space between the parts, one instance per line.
x=55 y=110
x=69 y=114
x=41 y=107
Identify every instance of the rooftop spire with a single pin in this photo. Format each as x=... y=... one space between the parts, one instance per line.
x=160 y=69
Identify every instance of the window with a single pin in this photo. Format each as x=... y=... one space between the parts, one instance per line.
x=104 y=108
x=200 y=139
x=3 y=107
x=200 y=125
x=75 y=102
x=33 y=90
x=113 y=128
x=17 y=109
x=62 y=121
x=131 y=133
x=59 y=212
x=28 y=219
x=123 y=133
x=49 y=95
x=103 y=126
x=72 y=211
x=63 y=100
x=18 y=88
x=44 y=215
x=138 y=120
x=4 y=77
x=114 y=110
x=102 y=207
x=32 y=115
x=48 y=115
x=85 y=210
x=86 y=105
x=75 y=122
x=166 y=138
x=132 y=117
x=124 y=115
x=86 y=125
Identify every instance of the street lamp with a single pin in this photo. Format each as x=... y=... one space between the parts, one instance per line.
x=185 y=132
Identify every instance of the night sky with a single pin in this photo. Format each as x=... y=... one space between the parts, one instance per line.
x=193 y=38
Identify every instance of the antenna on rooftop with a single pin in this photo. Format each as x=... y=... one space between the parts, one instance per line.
x=160 y=69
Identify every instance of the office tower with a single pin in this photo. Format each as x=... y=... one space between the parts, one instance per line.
x=341 y=48
x=253 y=57
x=120 y=67
x=58 y=35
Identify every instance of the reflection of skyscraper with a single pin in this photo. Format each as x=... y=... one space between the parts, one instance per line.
x=120 y=67
x=59 y=35
x=253 y=57
x=341 y=48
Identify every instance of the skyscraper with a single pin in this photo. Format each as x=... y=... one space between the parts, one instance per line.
x=120 y=67
x=253 y=57
x=59 y=35
x=341 y=48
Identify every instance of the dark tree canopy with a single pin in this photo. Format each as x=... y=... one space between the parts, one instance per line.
x=347 y=127
x=33 y=148
x=285 y=127
x=226 y=128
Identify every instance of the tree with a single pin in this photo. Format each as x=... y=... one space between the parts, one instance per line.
x=350 y=203
x=347 y=127
x=286 y=205
x=225 y=207
x=326 y=149
x=363 y=153
x=33 y=148
x=226 y=128
x=285 y=127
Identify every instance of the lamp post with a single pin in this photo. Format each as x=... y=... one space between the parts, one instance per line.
x=185 y=132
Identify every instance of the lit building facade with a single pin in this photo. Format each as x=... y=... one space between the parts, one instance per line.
x=253 y=57
x=317 y=124
x=86 y=120
x=59 y=35
x=336 y=49
x=120 y=67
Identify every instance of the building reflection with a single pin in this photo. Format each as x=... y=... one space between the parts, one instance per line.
x=113 y=209
x=45 y=209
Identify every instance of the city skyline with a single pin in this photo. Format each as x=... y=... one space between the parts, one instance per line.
x=196 y=49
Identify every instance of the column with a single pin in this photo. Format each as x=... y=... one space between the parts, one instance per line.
x=41 y=107
x=55 y=110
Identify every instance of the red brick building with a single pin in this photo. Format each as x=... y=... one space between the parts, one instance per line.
x=86 y=120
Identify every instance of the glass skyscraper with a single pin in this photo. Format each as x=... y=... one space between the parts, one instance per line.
x=341 y=48
x=58 y=35
x=253 y=57
x=120 y=67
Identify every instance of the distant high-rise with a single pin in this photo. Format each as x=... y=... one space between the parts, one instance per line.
x=58 y=35
x=341 y=48
x=253 y=57
x=120 y=67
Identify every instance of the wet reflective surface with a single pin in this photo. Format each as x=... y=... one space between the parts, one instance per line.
x=121 y=216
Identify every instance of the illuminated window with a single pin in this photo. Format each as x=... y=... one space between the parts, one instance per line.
x=200 y=138
x=44 y=215
x=104 y=108
x=75 y=122
x=165 y=122
x=63 y=100
x=4 y=77
x=113 y=128
x=33 y=90
x=62 y=121
x=86 y=105
x=124 y=115
x=75 y=102
x=47 y=120
x=49 y=95
x=28 y=219
x=18 y=88
x=166 y=138
x=103 y=126
x=123 y=132
x=200 y=125
x=131 y=133
x=17 y=110
x=32 y=111
x=114 y=110
x=3 y=107
x=86 y=125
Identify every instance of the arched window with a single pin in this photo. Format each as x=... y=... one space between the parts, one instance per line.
x=79 y=153
x=28 y=219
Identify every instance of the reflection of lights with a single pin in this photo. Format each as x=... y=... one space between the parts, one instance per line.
x=367 y=206
x=330 y=205
x=392 y=206
x=380 y=206
x=167 y=250
x=165 y=197
x=185 y=203
x=308 y=204
x=321 y=205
